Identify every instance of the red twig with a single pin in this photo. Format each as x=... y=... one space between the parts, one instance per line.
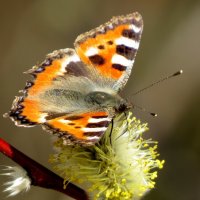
x=39 y=175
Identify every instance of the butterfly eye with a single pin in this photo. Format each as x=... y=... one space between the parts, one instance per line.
x=101 y=96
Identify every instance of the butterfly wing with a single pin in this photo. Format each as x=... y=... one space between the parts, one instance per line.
x=111 y=48
x=38 y=101
x=86 y=128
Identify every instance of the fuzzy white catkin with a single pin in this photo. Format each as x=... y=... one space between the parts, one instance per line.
x=19 y=180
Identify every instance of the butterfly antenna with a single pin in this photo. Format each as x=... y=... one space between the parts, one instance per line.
x=157 y=82
x=146 y=111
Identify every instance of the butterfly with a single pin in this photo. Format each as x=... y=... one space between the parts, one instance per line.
x=75 y=92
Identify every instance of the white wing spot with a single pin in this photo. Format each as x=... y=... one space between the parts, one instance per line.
x=92 y=137
x=64 y=121
x=117 y=59
x=42 y=118
x=94 y=129
x=127 y=42
x=65 y=61
x=135 y=28
x=91 y=51
x=96 y=120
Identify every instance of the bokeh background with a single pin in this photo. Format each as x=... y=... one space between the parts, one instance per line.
x=171 y=41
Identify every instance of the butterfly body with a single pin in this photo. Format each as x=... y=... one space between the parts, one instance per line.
x=75 y=93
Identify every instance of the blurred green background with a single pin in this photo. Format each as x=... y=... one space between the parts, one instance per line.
x=170 y=41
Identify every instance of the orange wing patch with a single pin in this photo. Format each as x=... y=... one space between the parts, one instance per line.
x=21 y=109
x=44 y=79
x=32 y=112
x=85 y=128
x=54 y=66
x=106 y=47
x=31 y=108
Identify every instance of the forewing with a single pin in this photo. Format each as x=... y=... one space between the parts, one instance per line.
x=111 y=48
x=48 y=93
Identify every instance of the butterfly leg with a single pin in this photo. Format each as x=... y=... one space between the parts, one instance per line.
x=111 y=129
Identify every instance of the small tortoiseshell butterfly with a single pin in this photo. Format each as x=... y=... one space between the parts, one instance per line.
x=75 y=93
